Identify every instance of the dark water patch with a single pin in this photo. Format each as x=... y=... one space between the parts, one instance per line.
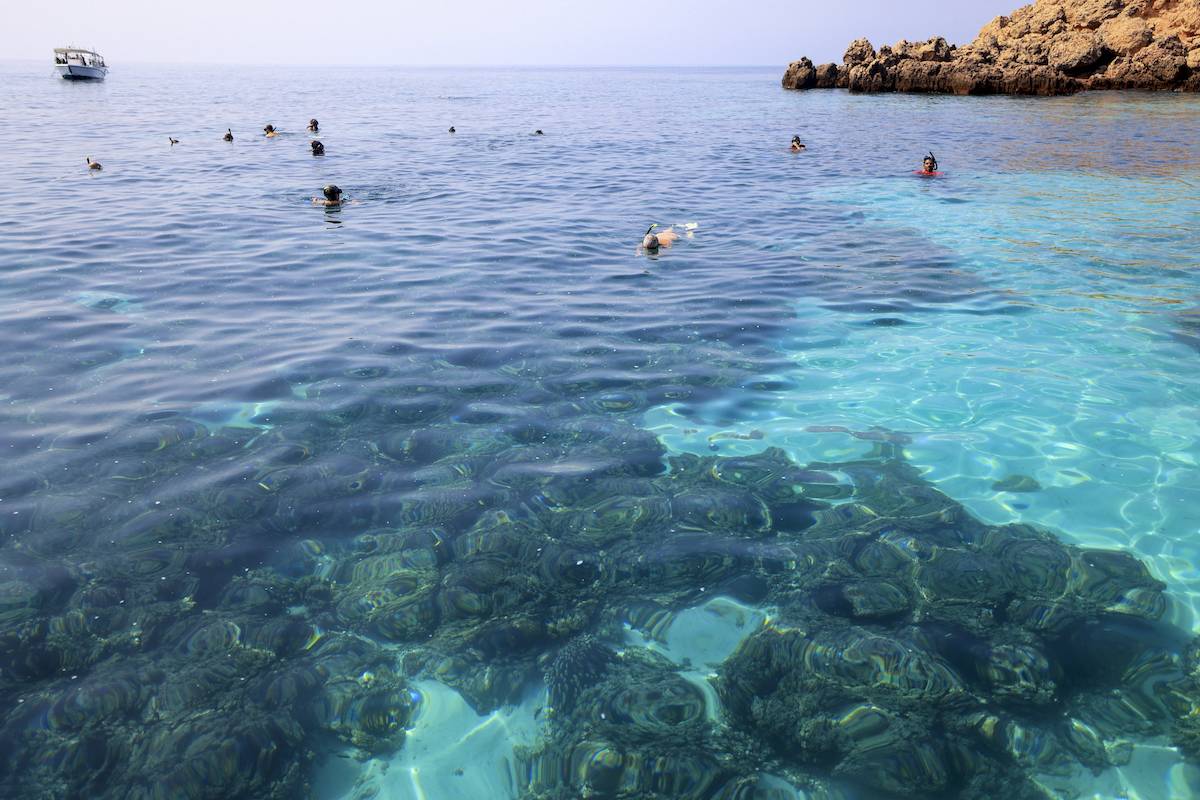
x=886 y=322
x=1187 y=328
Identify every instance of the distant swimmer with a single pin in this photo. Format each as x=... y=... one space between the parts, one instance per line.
x=929 y=165
x=452 y=129
x=538 y=132
x=313 y=125
x=228 y=135
x=95 y=165
x=318 y=148
x=797 y=145
x=173 y=141
x=652 y=242
x=332 y=198
x=270 y=132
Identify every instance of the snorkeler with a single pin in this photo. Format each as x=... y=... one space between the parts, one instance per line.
x=652 y=242
x=332 y=198
x=929 y=165
x=270 y=132
x=172 y=140
x=797 y=145
x=313 y=125
x=538 y=132
x=94 y=165
x=228 y=135
x=318 y=149
x=452 y=129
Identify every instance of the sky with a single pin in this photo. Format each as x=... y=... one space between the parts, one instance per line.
x=479 y=32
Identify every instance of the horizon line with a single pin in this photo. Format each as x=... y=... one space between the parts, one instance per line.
x=435 y=65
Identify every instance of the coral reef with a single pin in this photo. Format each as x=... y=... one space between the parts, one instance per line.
x=915 y=652
x=316 y=572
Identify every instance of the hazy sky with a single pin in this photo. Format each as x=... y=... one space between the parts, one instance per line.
x=479 y=31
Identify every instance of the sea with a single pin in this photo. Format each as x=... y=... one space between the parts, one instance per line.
x=870 y=485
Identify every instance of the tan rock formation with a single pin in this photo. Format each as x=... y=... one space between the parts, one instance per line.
x=1048 y=47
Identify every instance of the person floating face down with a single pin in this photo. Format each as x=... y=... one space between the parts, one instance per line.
x=797 y=145
x=332 y=197
x=652 y=242
x=270 y=132
x=929 y=165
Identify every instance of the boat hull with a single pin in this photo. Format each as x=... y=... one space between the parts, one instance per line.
x=77 y=72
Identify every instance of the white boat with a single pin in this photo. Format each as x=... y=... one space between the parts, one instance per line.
x=78 y=64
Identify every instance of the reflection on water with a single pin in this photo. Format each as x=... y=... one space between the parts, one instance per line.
x=451 y=492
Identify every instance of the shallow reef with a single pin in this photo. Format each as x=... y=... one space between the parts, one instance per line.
x=281 y=609
x=913 y=652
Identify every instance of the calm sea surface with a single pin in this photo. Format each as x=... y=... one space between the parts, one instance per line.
x=870 y=486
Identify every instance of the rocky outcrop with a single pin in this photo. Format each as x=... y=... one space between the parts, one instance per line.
x=803 y=75
x=1046 y=48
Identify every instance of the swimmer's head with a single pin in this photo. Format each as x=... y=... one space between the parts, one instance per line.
x=318 y=149
x=930 y=163
x=538 y=132
x=228 y=134
x=650 y=240
x=332 y=193
x=269 y=129
x=313 y=125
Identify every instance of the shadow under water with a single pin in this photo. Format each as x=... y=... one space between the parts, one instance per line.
x=1187 y=328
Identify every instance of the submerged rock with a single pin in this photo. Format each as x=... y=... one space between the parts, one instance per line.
x=1017 y=483
x=1049 y=47
x=319 y=581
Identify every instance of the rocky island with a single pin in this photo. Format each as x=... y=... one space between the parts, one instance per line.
x=1049 y=47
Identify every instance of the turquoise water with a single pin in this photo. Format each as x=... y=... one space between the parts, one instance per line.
x=452 y=492
x=1087 y=390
